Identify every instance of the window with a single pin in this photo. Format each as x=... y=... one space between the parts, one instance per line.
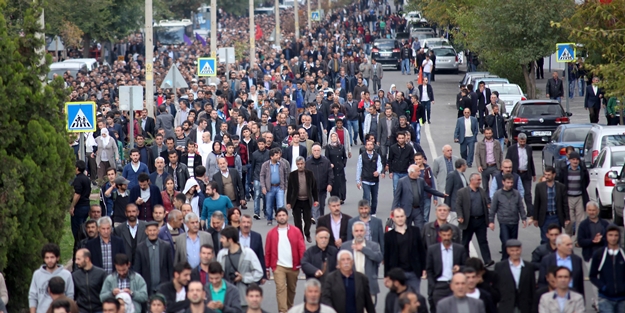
x=618 y=159
x=612 y=140
x=444 y=52
x=574 y=134
x=538 y=110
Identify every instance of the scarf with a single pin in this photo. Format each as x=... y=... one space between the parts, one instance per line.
x=105 y=139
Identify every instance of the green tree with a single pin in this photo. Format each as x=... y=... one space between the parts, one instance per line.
x=34 y=152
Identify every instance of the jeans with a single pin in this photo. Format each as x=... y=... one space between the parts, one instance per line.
x=352 y=127
x=467 y=149
x=427 y=204
x=549 y=219
x=405 y=66
x=417 y=129
x=502 y=141
x=428 y=107
x=428 y=76
x=368 y=48
x=608 y=306
x=370 y=193
x=413 y=280
x=556 y=98
x=396 y=177
x=80 y=216
x=572 y=84
x=249 y=184
x=319 y=210
x=274 y=194
x=257 y=197
x=507 y=231
x=581 y=84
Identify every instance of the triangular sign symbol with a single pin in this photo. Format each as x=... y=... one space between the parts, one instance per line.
x=566 y=55
x=81 y=121
x=207 y=69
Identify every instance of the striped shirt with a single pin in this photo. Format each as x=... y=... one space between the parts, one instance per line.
x=574 y=182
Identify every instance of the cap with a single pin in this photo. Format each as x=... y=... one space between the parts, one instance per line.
x=120 y=180
x=513 y=243
x=152 y=223
x=574 y=155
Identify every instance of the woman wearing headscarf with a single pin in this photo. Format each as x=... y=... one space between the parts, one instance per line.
x=335 y=152
x=194 y=197
x=125 y=303
x=105 y=152
x=211 y=161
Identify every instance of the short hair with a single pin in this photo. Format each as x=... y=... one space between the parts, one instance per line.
x=62 y=303
x=550 y=169
x=181 y=266
x=443 y=205
x=56 y=285
x=104 y=220
x=476 y=264
x=81 y=165
x=313 y=282
x=131 y=205
x=180 y=197
x=89 y=222
x=560 y=239
x=508 y=176
x=560 y=268
x=121 y=259
x=404 y=301
x=359 y=223
x=445 y=228
x=341 y=252
x=592 y=203
x=253 y=287
x=334 y=199
x=173 y=214
x=459 y=163
x=274 y=151
x=215 y=268
x=111 y=300
x=300 y=159
x=613 y=227
x=218 y=215
x=143 y=177
x=133 y=150
x=364 y=203
x=320 y=229
x=522 y=136
x=50 y=248
x=230 y=232
x=207 y=246
x=398 y=275
x=212 y=184
x=554 y=226
x=282 y=209
x=474 y=175
x=469 y=270
x=190 y=216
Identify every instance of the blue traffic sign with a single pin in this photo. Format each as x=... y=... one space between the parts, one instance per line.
x=565 y=52
x=206 y=67
x=81 y=116
x=314 y=15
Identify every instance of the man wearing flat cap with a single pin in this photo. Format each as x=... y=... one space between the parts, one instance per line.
x=575 y=177
x=516 y=280
x=153 y=259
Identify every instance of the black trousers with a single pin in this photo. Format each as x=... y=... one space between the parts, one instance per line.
x=339 y=188
x=478 y=227
x=302 y=207
x=437 y=292
x=526 y=179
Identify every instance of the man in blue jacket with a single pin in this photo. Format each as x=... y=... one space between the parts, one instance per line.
x=466 y=134
x=607 y=271
x=591 y=231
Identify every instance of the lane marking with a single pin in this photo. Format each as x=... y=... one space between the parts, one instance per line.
x=428 y=135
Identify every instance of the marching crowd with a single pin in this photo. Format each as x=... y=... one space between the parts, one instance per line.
x=171 y=232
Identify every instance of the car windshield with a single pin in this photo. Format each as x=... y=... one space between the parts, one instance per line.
x=618 y=158
x=506 y=90
x=439 y=42
x=574 y=134
x=612 y=140
x=538 y=110
x=384 y=45
x=444 y=52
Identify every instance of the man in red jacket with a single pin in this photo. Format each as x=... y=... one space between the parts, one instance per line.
x=285 y=263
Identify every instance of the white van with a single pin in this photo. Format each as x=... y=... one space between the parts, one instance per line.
x=90 y=63
x=61 y=67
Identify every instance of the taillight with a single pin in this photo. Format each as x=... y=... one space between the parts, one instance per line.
x=456 y=58
x=562 y=151
x=395 y=50
x=520 y=120
x=607 y=181
x=595 y=153
x=523 y=98
x=374 y=50
x=562 y=120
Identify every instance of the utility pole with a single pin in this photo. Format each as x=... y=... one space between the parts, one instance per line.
x=277 y=8
x=296 y=8
x=252 y=37
x=149 y=60
x=309 y=15
x=214 y=33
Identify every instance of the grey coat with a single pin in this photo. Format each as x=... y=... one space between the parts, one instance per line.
x=375 y=228
x=366 y=69
x=166 y=121
x=508 y=206
x=439 y=170
x=385 y=135
x=449 y=305
x=373 y=258
x=232 y=300
x=111 y=151
x=249 y=267
x=181 y=245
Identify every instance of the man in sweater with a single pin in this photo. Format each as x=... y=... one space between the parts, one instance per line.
x=134 y=168
x=575 y=177
x=38 y=298
x=507 y=204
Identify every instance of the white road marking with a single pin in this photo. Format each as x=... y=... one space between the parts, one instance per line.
x=428 y=135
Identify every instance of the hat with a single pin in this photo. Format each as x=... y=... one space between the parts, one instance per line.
x=574 y=155
x=152 y=223
x=120 y=180
x=513 y=243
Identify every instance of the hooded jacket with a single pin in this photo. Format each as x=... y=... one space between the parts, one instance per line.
x=38 y=296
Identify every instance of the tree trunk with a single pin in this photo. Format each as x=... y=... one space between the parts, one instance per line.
x=86 y=46
x=530 y=81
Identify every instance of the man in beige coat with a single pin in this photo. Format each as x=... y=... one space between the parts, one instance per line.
x=488 y=157
x=573 y=301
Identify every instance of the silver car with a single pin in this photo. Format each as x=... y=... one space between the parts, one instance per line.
x=446 y=59
x=510 y=94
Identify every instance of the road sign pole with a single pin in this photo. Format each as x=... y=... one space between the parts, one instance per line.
x=309 y=15
x=81 y=146
x=277 y=9
x=296 y=9
x=252 y=37
x=149 y=59
x=131 y=114
x=173 y=82
x=566 y=79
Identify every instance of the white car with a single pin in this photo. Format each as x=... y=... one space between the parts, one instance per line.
x=414 y=17
x=610 y=159
x=510 y=94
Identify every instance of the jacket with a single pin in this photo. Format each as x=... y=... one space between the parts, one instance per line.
x=555 y=88
x=607 y=272
x=497 y=123
x=513 y=155
x=539 y=253
x=449 y=305
x=399 y=159
x=165 y=235
x=258 y=159
x=592 y=100
x=142 y=265
x=300 y=308
x=459 y=131
x=577 y=275
x=181 y=245
x=508 y=206
x=313 y=261
x=346 y=139
x=326 y=221
x=38 y=296
x=434 y=261
x=549 y=303
x=211 y=164
x=237 y=184
x=480 y=154
x=145 y=212
x=373 y=258
x=248 y=266
x=385 y=136
x=130 y=174
x=197 y=159
x=439 y=170
x=292 y=190
x=95 y=248
x=585 y=238
x=463 y=205
x=232 y=300
x=391 y=252
x=137 y=286
x=296 y=240
x=429 y=234
x=511 y=295
x=563 y=177
x=453 y=184
x=123 y=231
x=111 y=151
x=154 y=176
x=333 y=292
x=322 y=171
x=403 y=196
x=540 y=203
x=182 y=174
x=287 y=153
x=265 y=174
x=429 y=91
x=375 y=229
x=168 y=290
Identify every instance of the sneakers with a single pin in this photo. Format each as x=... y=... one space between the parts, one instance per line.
x=270 y=223
x=312 y=220
x=257 y=217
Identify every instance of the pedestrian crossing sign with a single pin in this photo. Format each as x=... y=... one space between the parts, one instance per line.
x=314 y=16
x=566 y=52
x=81 y=117
x=206 y=67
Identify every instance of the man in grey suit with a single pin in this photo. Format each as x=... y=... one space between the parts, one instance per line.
x=372 y=223
x=126 y=230
x=366 y=69
x=459 y=302
x=377 y=75
x=165 y=121
x=466 y=134
x=188 y=244
x=367 y=256
x=410 y=196
x=442 y=166
x=387 y=126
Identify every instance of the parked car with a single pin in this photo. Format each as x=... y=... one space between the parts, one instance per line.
x=537 y=119
x=467 y=77
x=446 y=59
x=508 y=93
x=488 y=80
x=387 y=52
x=414 y=17
x=598 y=138
x=435 y=42
x=565 y=135
x=610 y=160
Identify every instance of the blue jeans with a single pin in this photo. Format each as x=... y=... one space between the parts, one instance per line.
x=502 y=142
x=572 y=84
x=413 y=281
x=467 y=148
x=352 y=127
x=405 y=66
x=396 y=177
x=257 y=197
x=507 y=231
x=428 y=107
x=80 y=216
x=581 y=83
x=417 y=129
x=248 y=180
x=370 y=193
x=274 y=194
x=428 y=76
x=556 y=98
x=549 y=219
x=427 y=204
x=608 y=306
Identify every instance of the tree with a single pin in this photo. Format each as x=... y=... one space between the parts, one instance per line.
x=34 y=152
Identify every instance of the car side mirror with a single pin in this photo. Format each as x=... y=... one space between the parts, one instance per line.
x=612 y=175
x=569 y=114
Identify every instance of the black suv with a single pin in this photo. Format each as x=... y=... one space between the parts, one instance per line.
x=387 y=52
x=537 y=119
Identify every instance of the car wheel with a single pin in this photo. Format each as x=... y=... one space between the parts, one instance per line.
x=616 y=219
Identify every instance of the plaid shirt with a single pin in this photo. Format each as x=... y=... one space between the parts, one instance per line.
x=107 y=257
x=123 y=283
x=551 y=198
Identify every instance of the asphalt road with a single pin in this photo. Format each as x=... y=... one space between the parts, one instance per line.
x=433 y=137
